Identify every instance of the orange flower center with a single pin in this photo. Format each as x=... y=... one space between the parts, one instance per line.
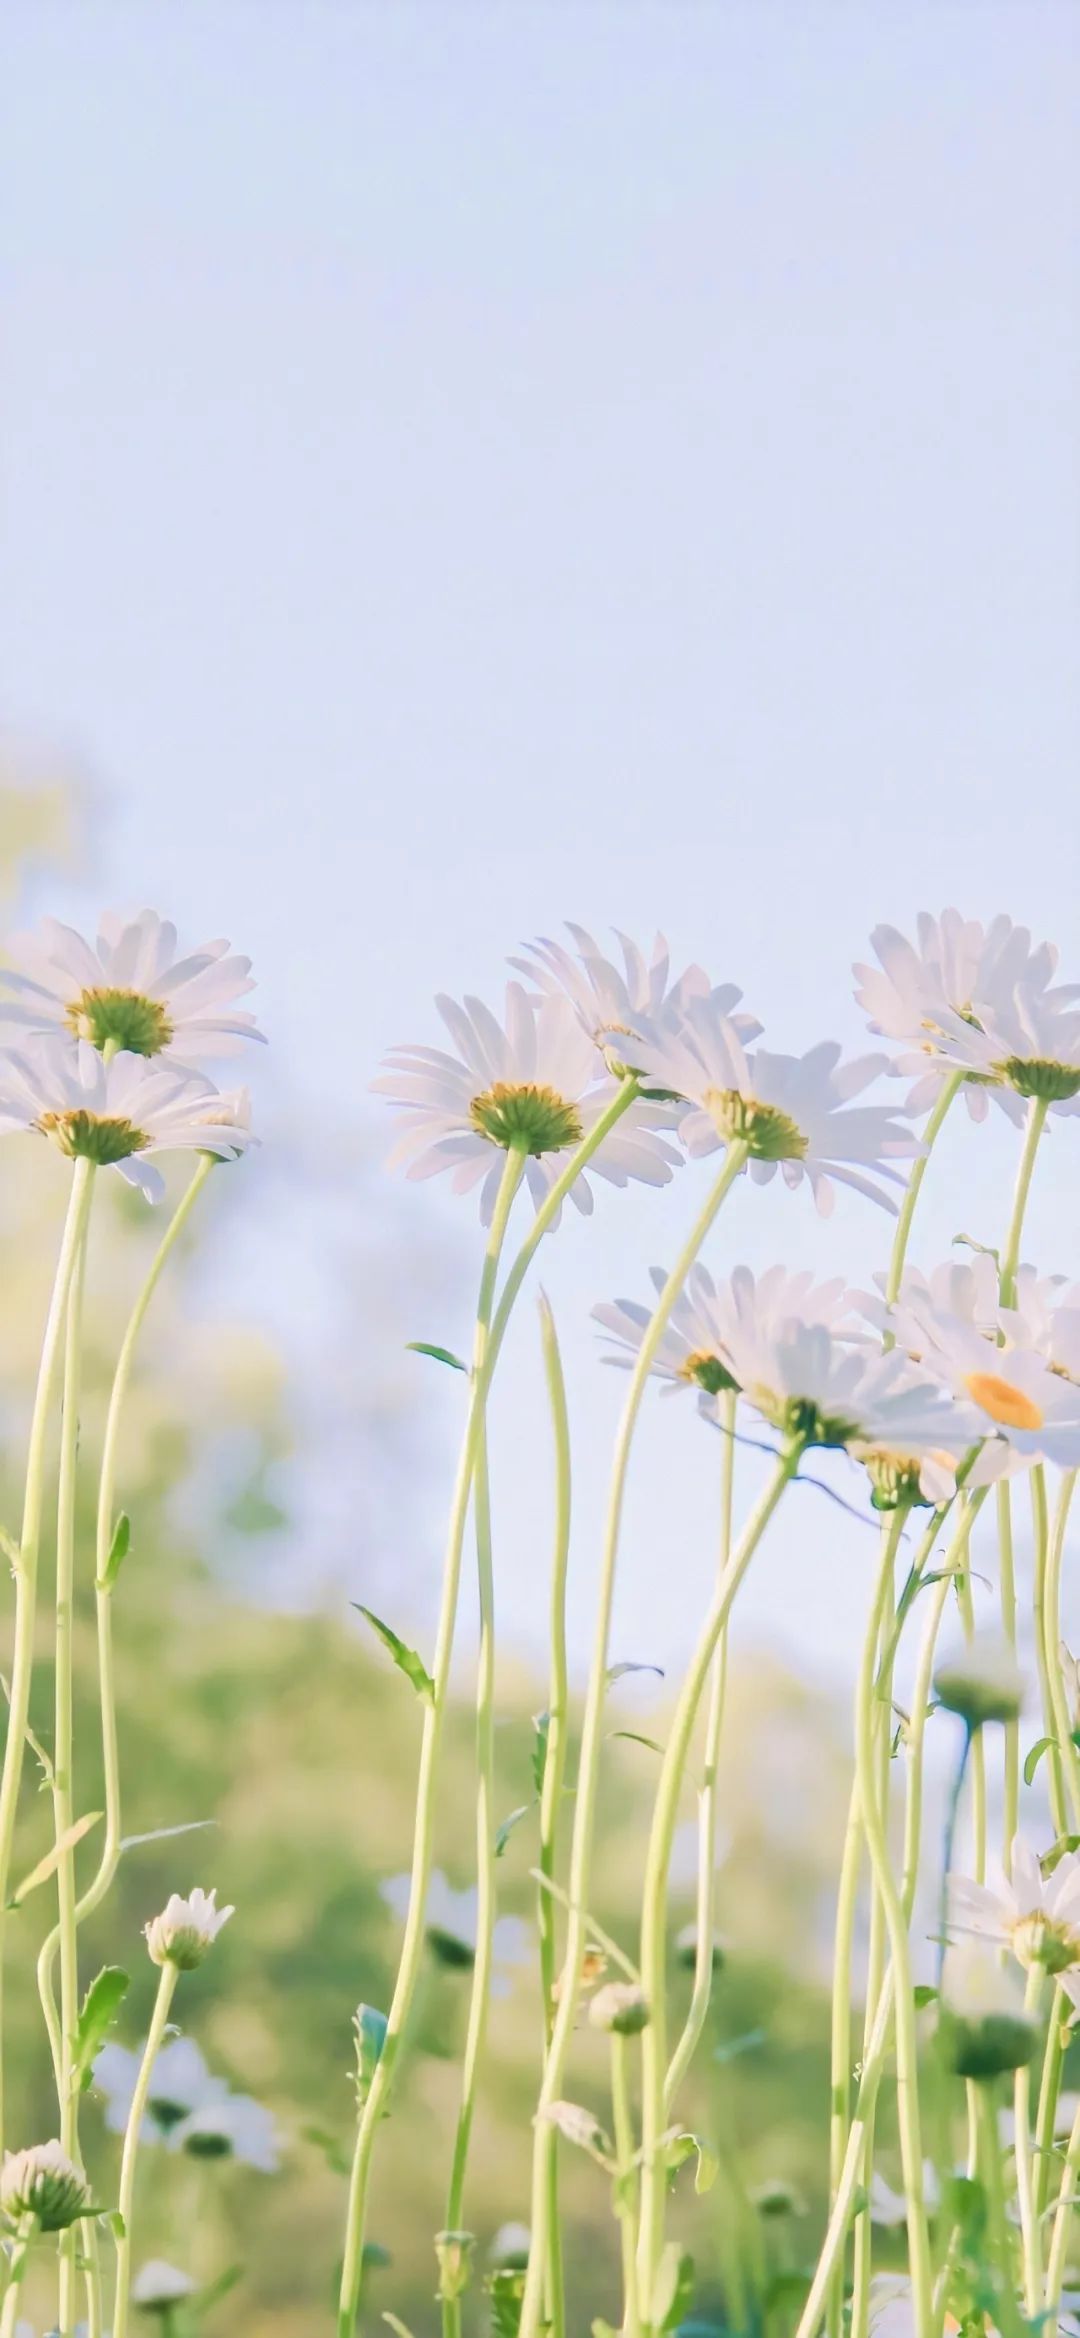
x=1003 y=1402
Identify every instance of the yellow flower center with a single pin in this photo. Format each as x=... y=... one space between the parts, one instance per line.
x=1003 y=1402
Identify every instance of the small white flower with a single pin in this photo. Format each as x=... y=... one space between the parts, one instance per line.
x=966 y=1289
x=1026 y=1047
x=794 y=1112
x=186 y=1929
x=44 y=2183
x=128 y=988
x=535 y=1082
x=118 y=1113
x=236 y=2127
x=158 y=2285
x=1026 y=1411
x=692 y=1350
x=180 y=2084
x=451 y=1919
x=1045 y=1317
x=1036 y=1916
x=958 y=971
x=610 y=1000
x=982 y=1682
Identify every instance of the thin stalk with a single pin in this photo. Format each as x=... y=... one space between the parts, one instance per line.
x=25 y=1567
x=486 y=1878
x=977 y=1749
x=840 y=2050
x=1063 y=1720
x=657 y=1862
x=864 y=2237
x=955 y=1558
x=1010 y=1256
x=907 y=2076
x=63 y=1783
x=950 y=1089
x=1066 y=2202
x=851 y=2171
x=1025 y=2184
x=1011 y=2322
x=1007 y=1570
x=948 y=1844
x=705 y=1918
x=130 y=2155
x=1049 y=2090
x=625 y=2181
x=101 y=1880
x=554 y=1773
x=412 y=1947
x=20 y=2251
x=1046 y=1656
x=591 y=1743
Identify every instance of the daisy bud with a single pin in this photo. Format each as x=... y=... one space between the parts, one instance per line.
x=185 y=1929
x=983 y=1683
x=454 y=2252
x=159 y=2287
x=686 y=1949
x=45 y=2184
x=510 y=2248
x=581 y=2127
x=774 y=2198
x=621 y=2007
x=984 y=2029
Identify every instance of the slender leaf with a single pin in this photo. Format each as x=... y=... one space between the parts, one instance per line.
x=619 y=1671
x=542 y=1726
x=406 y=1659
x=504 y=1832
x=423 y=1347
x=100 y=2007
x=48 y=1866
x=118 y=1550
x=189 y=1826
x=673 y=2288
x=635 y=1737
x=1042 y=1745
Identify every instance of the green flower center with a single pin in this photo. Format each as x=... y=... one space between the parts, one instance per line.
x=166 y=2114
x=894 y=1481
x=1051 y=1083
x=449 y=1950
x=706 y=1369
x=86 y=1136
x=1038 y=1940
x=537 y=1119
x=799 y=1416
x=769 y=1134
x=135 y=1024
x=211 y=2145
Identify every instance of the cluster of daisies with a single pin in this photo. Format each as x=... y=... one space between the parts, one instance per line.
x=110 y=1038
x=944 y=1372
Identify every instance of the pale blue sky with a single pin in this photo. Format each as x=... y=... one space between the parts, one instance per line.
x=468 y=465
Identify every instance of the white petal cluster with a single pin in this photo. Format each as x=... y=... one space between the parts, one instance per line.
x=186 y=1929
x=43 y=2182
x=694 y=1349
x=533 y=1080
x=958 y=976
x=611 y=1000
x=188 y=2108
x=1006 y=1365
x=1036 y=1917
x=106 y=1067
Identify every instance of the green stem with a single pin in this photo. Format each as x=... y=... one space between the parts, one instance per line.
x=554 y=1772
x=1011 y=1803
x=63 y=1756
x=1066 y=2202
x=20 y=2251
x=907 y=2074
x=948 y=1846
x=864 y=2235
x=1010 y=2321
x=412 y=1947
x=591 y=1742
x=1046 y=1656
x=950 y=1089
x=1063 y=1720
x=1010 y=1256
x=708 y=1799
x=955 y=1558
x=1049 y=2090
x=654 y=1888
x=130 y=2156
x=977 y=1750
x=105 y=1528
x=25 y=1567
x=1025 y=2187
x=625 y=2181
x=486 y=1880
x=840 y=2049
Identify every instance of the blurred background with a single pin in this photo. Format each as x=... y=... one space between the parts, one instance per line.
x=468 y=465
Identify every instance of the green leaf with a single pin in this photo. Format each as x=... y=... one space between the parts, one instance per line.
x=1042 y=1745
x=369 y=2026
x=1051 y=1858
x=619 y=1671
x=423 y=1347
x=635 y=1737
x=334 y=2153
x=190 y=1826
x=113 y=2223
x=924 y=1995
x=673 y=2288
x=217 y=2289
x=504 y=1832
x=401 y=2329
x=48 y=1866
x=984 y=1249
x=542 y=1726
x=686 y=2146
x=506 y=2289
x=118 y=1550
x=100 y=2007
x=406 y=1659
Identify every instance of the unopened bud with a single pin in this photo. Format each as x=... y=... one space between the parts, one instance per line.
x=454 y=2252
x=982 y=1683
x=45 y=2184
x=619 y=2006
x=984 y=2029
x=185 y=1929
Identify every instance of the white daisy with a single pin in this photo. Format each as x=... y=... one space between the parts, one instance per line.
x=186 y=1929
x=792 y=1111
x=451 y=1919
x=1026 y=1411
x=807 y=1381
x=1037 y=1917
x=958 y=970
x=117 y=1113
x=1046 y=1317
x=692 y=1351
x=533 y=1082
x=1027 y=1046
x=180 y=2084
x=610 y=999
x=233 y=2127
x=967 y=1289
x=158 y=2286
x=128 y=988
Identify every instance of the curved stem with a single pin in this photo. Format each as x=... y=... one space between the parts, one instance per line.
x=1049 y=2090
x=1046 y=1657
x=63 y=1784
x=840 y=2055
x=1063 y=1723
x=132 y=2135
x=554 y=1772
x=950 y=1089
x=1025 y=2185
x=25 y=1567
x=1007 y=1571
x=708 y=1798
x=20 y=2251
x=864 y=2236
x=1010 y=1256
x=654 y=1887
x=591 y=1740
x=1066 y=2202
x=1011 y=2322
x=412 y=1946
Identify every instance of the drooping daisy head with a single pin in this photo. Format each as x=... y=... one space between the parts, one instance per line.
x=117 y=1113
x=1026 y=1411
x=792 y=1112
x=611 y=1000
x=693 y=1352
x=1024 y=1048
x=1035 y=1916
x=130 y=989
x=532 y=1083
x=964 y=1288
x=957 y=971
